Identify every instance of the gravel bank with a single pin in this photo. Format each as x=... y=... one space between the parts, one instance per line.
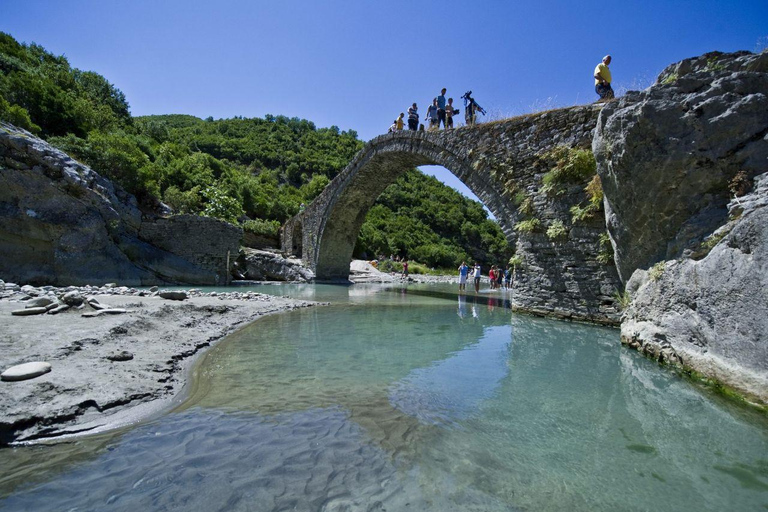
x=109 y=368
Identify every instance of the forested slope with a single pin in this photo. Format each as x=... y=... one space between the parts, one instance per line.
x=245 y=170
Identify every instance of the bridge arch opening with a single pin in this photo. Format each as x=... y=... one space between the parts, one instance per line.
x=341 y=209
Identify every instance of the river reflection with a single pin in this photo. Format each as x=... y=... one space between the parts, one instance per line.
x=414 y=398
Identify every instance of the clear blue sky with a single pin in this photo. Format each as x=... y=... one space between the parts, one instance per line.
x=357 y=64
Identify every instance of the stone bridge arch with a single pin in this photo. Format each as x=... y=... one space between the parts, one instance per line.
x=497 y=161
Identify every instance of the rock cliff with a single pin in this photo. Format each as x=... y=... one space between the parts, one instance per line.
x=712 y=314
x=63 y=223
x=667 y=155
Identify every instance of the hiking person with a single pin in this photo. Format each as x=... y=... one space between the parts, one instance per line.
x=477 y=277
x=471 y=108
x=463 y=273
x=441 y=108
x=399 y=122
x=413 y=118
x=432 y=115
x=449 y=112
x=603 y=79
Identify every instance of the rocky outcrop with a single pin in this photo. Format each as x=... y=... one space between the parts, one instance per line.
x=257 y=265
x=667 y=155
x=63 y=223
x=711 y=315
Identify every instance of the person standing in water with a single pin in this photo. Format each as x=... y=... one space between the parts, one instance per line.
x=463 y=274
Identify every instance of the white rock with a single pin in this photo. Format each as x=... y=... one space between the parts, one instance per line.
x=29 y=311
x=26 y=371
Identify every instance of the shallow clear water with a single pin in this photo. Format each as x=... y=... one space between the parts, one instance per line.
x=414 y=399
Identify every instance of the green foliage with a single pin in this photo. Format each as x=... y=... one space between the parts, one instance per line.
x=557 y=230
x=221 y=206
x=622 y=299
x=55 y=97
x=670 y=79
x=189 y=201
x=17 y=116
x=528 y=226
x=262 y=227
x=262 y=169
x=657 y=271
x=594 y=190
x=519 y=198
x=526 y=207
x=419 y=217
x=516 y=261
x=568 y=165
x=605 y=252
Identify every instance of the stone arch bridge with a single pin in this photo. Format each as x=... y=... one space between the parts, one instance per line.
x=498 y=161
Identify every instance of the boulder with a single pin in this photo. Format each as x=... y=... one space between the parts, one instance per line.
x=173 y=295
x=711 y=314
x=73 y=298
x=258 y=265
x=39 y=302
x=59 y=309
x=25 y=371
x=669 y=157
x=120 y=356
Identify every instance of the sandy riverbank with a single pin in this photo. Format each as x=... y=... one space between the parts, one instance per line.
x=110 y=370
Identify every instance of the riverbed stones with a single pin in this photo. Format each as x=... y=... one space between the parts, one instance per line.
x=39 y=302
x=73 y=298
x=26 y=371
x=59 y=309
x=102 y=312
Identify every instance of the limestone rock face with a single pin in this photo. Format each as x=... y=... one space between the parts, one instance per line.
x=259 y=265
x=63 y=223
x=712 y=314
x=667 y=155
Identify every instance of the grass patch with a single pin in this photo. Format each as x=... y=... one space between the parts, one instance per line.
x=570 y=165
x=657 y=271
x=605 y=251
x=670 y=79
x=262 y=227
x=557 y=230
x=526 y=207
x=623 y=300
x=528 y=226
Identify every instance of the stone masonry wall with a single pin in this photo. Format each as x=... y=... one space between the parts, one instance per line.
x=496 y=161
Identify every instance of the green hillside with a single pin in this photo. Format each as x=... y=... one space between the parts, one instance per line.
x=251 y=171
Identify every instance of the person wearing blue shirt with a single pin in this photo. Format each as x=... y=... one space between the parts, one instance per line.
x=441 y=108
x=434 y=123
x=463 y=273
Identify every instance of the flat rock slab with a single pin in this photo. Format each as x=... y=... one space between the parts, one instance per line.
x=113 y=311
x=29 y=311
x=25 y=371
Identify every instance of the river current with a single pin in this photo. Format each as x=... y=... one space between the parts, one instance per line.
x=413 y=398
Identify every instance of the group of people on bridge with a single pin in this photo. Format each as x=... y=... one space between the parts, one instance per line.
x=440 y=112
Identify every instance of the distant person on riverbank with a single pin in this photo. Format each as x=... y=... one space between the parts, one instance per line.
x=492 y=276
x=477 y=277
x=441 y=108
x=432 y=115
x=405 y=268
x=603 y=79
x=399 y=122
x=413 y=118
x=507 y=277
x=449 y=112
x=499 y=277
x=463 y=274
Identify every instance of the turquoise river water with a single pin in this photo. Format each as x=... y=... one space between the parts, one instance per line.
x=413 y=399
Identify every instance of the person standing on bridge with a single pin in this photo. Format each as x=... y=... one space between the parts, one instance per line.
x=432 y=115
x=449 y=112
x=399 y=122
x=441 y=108
x=603 y=79
x=413 y=118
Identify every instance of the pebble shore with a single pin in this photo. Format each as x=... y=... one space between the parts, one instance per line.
x=107 y=356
